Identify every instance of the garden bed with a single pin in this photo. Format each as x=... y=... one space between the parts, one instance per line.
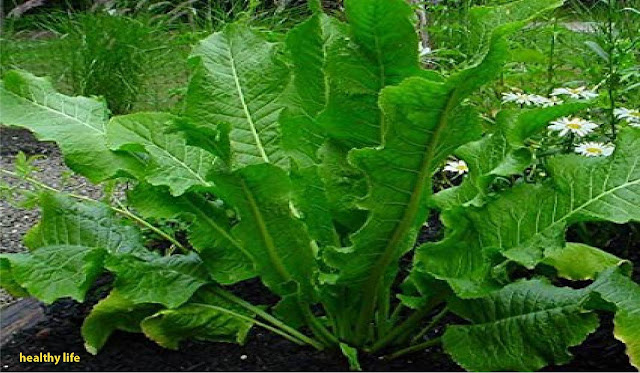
x=59 y=331
x=264 y=351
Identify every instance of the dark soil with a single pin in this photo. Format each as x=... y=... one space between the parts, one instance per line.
x=264 y=351
x=13 y=140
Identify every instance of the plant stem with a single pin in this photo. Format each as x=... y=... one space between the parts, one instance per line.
x=396 y=313
x=266 y=316
x=414 y=348
x=252 y=320
x=551 y=68
x=317 y=328
x=611 y=80
x=406 y=327
x=436 y=319
x=570 y=141
x=382 y=316
x=122 y=211
x=548 y=153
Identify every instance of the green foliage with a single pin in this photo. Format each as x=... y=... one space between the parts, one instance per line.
x=108 y=56
x=78 y=124
x=539 y=321
x=308 y=163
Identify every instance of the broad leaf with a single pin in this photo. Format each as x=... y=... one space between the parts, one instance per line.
x=276 y=241
x=77 y=124
x=209 y=231
x=57 y=271
x=529 y=219
x=417 y=114
x=310 y=199
x=68 y=221
x=458 y=259
x=307 y=45
x=206 y=317
x=523 y=327
x=175 y=164
x=578 y=261
x=620 y=290
x=419 y=289
x=110 y=314
x=237 y=83
x=169 y=280
x=344 y=185
x=7 y=281
x=380 y=50
x=68 y=246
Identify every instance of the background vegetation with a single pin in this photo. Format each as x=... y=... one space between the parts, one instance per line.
x=133 y=52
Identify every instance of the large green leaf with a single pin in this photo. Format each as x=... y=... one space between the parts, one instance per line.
x=458 y=259
x=620 y=290
x=276 y=241
x=310 y=199
x=307 y=45
x=344 y=184
x=237 y=83
x=577 y=261
x=529 y=219
x=175 y=164
x=110 y=314
x=67 y=221
x=380 y=50
x=57 y=271
x=7 y=281
x=68 y=246
x=77 y=124
x=206 y=317
x=420 y=289
x=168 y=280
x=209 y=230
x=425 y=121
x=523 y=327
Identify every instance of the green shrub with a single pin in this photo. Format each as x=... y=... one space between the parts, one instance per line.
x=308 y=164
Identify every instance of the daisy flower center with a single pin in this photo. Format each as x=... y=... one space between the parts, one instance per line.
x=575 y=91
x=461 y=167
x=574 y=125
x=594 y=150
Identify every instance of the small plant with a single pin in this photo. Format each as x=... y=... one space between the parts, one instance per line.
x=308 y=163
x=107 y=55
x=615 y=45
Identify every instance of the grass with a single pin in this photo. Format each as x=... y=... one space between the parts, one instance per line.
x=137 y=60
x=134 y=55
x=130 y=63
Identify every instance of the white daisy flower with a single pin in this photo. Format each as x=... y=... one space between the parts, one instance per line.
x=539 y=100
x=460 y=167
x=520 y=98
x=549 y=101
x=577 y=126
x=577 y=93
x=630 y=115
x=595 y=149
x=423 y=50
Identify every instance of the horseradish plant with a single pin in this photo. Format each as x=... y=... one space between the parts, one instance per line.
x=308 y=164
